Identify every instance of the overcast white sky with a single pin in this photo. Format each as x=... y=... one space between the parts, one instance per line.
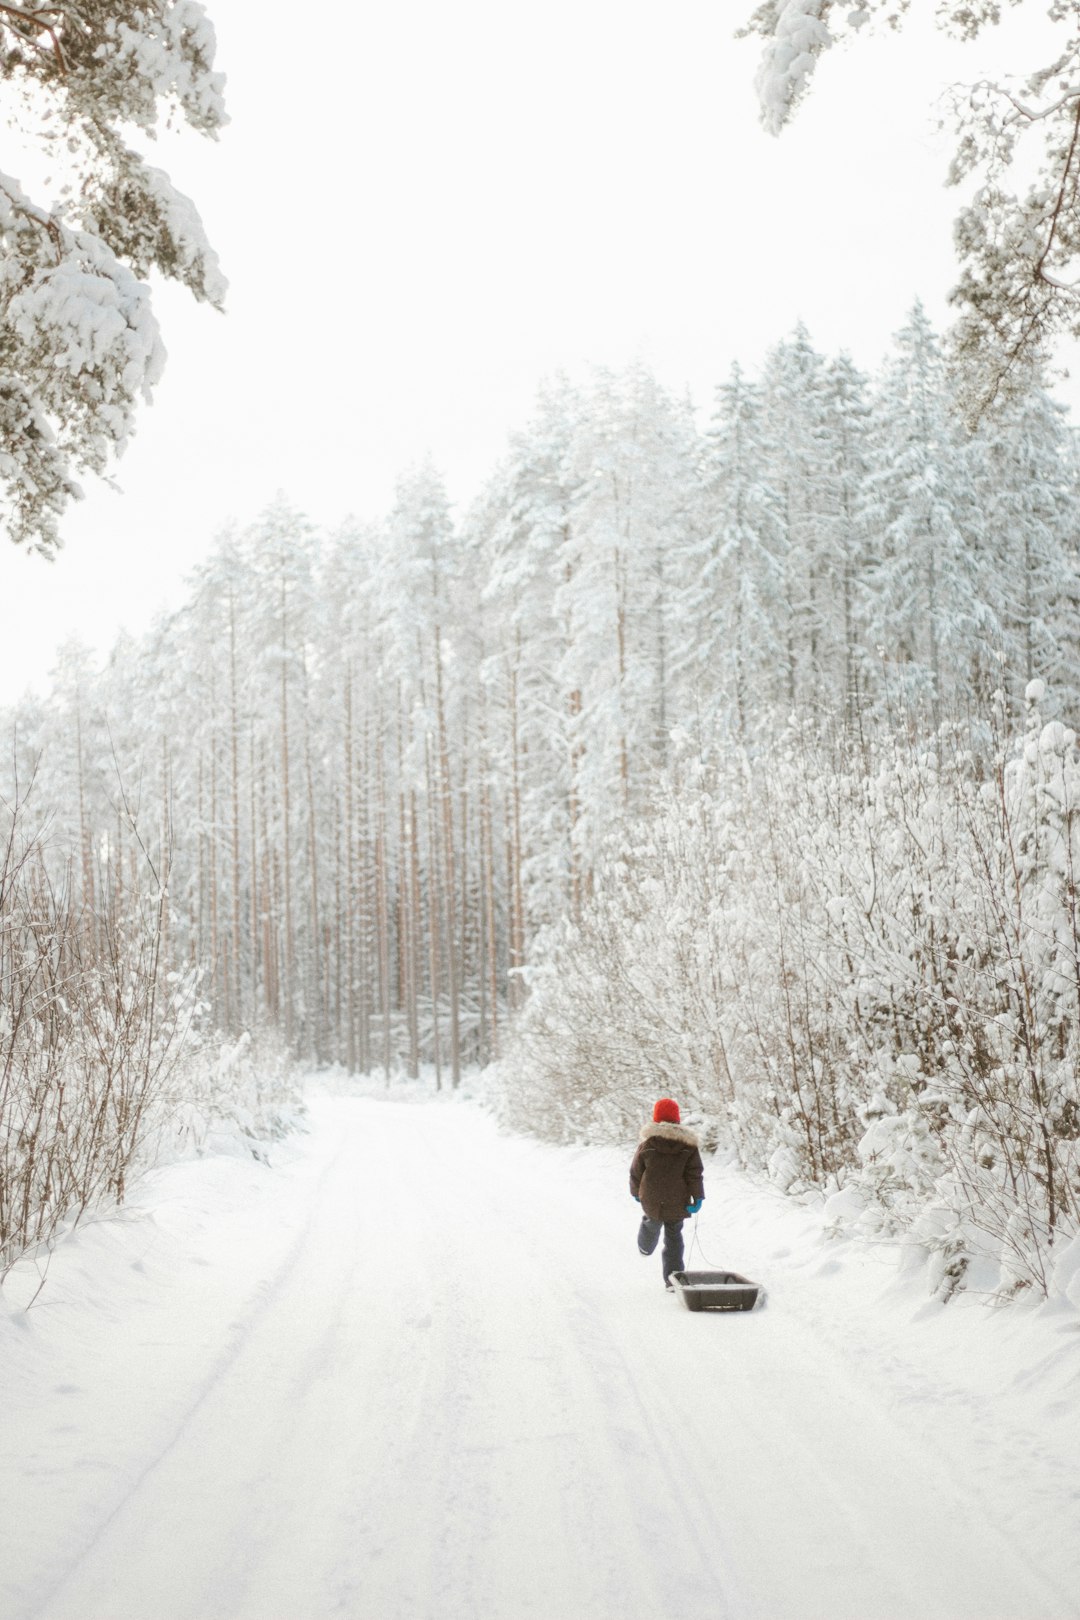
x=422 y=209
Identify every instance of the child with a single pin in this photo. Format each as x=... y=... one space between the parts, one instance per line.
x=667 y=1179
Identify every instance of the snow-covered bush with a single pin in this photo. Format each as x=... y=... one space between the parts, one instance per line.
x=243 y=1089
x=862 y=973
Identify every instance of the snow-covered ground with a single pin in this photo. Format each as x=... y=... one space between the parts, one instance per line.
x=418 y=1371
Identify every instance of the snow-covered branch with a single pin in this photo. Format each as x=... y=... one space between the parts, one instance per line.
x=79 y=345
x=1018 y=253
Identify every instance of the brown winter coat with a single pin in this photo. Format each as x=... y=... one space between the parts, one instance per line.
x=667 y=1173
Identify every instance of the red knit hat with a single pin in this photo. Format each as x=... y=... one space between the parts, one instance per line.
x=666 y=1112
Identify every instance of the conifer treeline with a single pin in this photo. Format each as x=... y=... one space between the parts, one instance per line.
x=371 y=768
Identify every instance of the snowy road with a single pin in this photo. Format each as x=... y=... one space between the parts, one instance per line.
x=420 y=1373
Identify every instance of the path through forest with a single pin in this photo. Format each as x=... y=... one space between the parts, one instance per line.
x=417 y=1371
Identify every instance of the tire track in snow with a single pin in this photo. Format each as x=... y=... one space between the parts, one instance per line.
x=666 y=1510
x=241 y=1328
x=518 y=1457
x=93 y=1584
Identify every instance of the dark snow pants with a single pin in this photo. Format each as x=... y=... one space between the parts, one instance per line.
x=649 y=1236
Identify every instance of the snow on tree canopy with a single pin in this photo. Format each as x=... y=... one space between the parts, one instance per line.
x=1018 y=232
x=686 y=761
x=79 y=344
x=799 y=35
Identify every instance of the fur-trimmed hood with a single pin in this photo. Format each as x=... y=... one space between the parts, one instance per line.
x=675 y=1133
x=667 y=1173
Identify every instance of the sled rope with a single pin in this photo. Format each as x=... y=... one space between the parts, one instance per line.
x=695 y=1243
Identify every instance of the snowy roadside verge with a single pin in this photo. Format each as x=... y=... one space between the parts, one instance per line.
x=108 y=1341
x=991 y=1389
x=73 y=1145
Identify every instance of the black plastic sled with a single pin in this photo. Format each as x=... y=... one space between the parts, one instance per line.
x=715 y=1290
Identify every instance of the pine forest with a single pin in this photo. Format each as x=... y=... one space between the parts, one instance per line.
x=725 y=752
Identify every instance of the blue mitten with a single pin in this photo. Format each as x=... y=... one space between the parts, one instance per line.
x=692 y=1209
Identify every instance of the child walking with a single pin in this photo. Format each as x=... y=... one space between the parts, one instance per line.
x=667 y=1179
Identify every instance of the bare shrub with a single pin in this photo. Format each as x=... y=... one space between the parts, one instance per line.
x=91 y=1031
x=108 y=1057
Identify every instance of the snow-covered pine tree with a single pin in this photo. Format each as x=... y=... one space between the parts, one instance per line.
x=419 y=586
x=926 y=605
x=627 y=585
x=800 y=471
x=846 y=419
x=523 y=527
x=1027 y=498
x=740 y=559
x=281 y=547
x=78 y=334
